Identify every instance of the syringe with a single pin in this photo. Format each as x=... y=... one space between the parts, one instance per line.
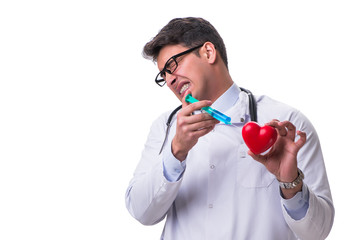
x=214 y=113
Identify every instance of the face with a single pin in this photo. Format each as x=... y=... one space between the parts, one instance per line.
x=190 y=74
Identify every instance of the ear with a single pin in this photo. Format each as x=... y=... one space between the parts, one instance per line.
x=210 y=52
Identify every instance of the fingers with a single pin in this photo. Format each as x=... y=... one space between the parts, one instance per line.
x=285 y=128
x=259 y=158
x=288 y=130
x=302 y=140
x=206 y=121
x=188 y=109
x=202 y=131
x=276 y=124
x=196 y=122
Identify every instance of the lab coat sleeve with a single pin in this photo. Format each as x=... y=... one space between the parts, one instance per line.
x=150 y=194
x=318 y=220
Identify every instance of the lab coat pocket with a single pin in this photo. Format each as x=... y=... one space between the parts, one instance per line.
x=252 y=174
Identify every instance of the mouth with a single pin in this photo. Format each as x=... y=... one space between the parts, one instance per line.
x=184 y=88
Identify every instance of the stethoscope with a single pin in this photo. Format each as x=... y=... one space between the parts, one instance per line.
x=252 y=110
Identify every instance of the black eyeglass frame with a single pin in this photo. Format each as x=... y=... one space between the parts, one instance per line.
x=159 y=79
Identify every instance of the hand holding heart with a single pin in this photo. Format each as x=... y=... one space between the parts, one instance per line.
x=281 y=160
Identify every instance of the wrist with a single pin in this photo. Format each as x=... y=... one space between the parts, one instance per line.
x=289 y=189
x=291 y=192
x=177 y=152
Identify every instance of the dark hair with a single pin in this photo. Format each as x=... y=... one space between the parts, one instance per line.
x=189 y=32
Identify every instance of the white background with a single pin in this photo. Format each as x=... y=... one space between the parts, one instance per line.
x=77 y=100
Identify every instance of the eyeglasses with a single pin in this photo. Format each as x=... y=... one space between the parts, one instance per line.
x=170 y=66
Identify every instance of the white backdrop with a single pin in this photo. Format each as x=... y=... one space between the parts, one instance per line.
x=77 y=100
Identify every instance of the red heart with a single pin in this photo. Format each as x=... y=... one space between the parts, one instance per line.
x=258 y=139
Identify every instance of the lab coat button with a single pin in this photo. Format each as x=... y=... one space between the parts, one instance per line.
x=242 y=120
x=212 y=166
x=210 y=206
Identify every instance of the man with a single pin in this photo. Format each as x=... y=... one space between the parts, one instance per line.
x=205 y=181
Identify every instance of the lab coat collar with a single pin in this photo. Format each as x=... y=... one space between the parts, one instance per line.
x=234 y=103
x=227 y=99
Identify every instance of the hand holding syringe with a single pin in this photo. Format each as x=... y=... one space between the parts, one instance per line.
x=214 y=113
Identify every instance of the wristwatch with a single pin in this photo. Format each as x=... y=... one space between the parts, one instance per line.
x=297 y=181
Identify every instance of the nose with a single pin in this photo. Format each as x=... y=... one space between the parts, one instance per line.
x=171 y=83
x=171 y=80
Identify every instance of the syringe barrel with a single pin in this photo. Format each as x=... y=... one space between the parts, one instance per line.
x=213 y=112
x=217 y=115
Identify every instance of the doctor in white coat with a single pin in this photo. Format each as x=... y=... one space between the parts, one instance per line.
x=203 y=179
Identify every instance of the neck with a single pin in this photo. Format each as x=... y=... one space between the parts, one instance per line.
x=222 y=82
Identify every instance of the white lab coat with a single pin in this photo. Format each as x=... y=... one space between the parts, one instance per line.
x=224 y=193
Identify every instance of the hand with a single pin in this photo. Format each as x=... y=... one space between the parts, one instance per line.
x=190 y=128
x=281 y=160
